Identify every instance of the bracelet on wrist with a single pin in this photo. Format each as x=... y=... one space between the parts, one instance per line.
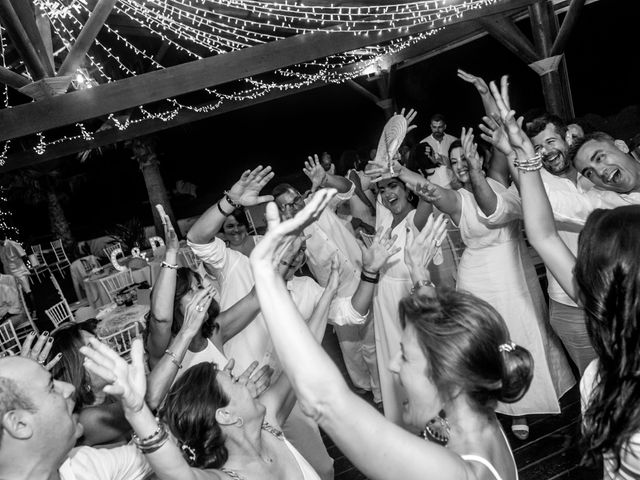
x=168 y=265
x=368 y=279
x=174 y=358
x=154 y=441
x=231 y=202
x=226 y=214
x=421 y=283
x=370 y=273
x=532 y=164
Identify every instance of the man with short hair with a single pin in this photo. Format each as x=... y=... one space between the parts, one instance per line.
x=439 y=140
x=39 y=430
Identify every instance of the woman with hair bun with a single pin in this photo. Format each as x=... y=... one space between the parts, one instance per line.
x=455 y=355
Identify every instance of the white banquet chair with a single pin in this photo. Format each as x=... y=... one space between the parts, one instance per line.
x=62 y=261
x=110 y=248
x=116 y=282
x=59 y=313
x=9 y=343
x=121 y=340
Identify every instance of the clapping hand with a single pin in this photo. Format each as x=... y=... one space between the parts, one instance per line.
x=419 y=250
x=196 y=311
x=313 y=169
x=375 y=256
x=246 y=191
x=40 y=351
x=268 y=253
x=256 y=382
x=519 y=141
x=170 y=236
x=125 y=380
x=470 y=149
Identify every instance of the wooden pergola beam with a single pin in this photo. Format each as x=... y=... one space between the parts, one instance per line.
x=507 y=33
x=192 y=76
x=26 y=14
x=20 y=40
x=569 y=21
x=13 y=79
x=362 y=91
x=86 y=37
x=28 y=158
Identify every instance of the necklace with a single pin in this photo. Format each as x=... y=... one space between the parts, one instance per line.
x=437 y=430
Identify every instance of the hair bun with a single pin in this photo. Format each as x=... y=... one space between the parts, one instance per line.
x=517 y=373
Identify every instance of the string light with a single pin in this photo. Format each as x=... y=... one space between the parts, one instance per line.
x=221 y=26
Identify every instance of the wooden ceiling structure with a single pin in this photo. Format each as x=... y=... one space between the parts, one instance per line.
x=38 y=69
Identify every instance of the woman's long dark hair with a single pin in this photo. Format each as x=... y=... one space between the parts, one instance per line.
x=461 y=336
x=190 y=413
x=608 y=277
x=67 y=340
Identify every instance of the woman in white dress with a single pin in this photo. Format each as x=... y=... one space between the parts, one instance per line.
x=496 y=267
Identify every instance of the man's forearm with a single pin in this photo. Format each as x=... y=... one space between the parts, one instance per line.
x=209 y=223
x=341 y=184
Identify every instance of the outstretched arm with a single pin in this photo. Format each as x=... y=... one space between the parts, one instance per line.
x=323 y=179
x=245 y=192
x=482 y=191
x=380 y=449
x=538 y=216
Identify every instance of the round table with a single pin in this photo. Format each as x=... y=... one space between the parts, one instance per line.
x=97 y=295
x=114 y=319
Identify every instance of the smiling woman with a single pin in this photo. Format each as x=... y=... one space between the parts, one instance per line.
x=236 y=232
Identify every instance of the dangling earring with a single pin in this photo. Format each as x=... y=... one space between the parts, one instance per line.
x=437 y=430
x=240 y=422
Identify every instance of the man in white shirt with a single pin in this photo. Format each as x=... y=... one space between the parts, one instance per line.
x=326 y=238
x=439 y=140
x=39 y=430
x=551 y=138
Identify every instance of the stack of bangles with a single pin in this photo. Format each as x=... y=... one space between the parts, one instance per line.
x=233 y=204
x=531 y=165
x=154 y=441
x=371 y=277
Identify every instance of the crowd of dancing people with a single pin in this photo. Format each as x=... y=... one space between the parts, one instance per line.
x=420 y=264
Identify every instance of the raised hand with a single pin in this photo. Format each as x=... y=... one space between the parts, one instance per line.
x=256 y=382
x=268 y=253
x=419 y=250
x=519 y=141
x=493 y=132
x=170 y=236
x=246 y=191
x=377 y=169
x=313 y=169
x=125 y=380
x=410 y=116
x=40 y=351
x=427 y=191
x=478 y=82
x=379 y=251
x=196 y=311
x=470 y=149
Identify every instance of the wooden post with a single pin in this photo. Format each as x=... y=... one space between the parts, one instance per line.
x=26 y=14
x=12 y=79
x=542 y=26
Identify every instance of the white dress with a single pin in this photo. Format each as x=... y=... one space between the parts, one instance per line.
x=395 y=283
x=497 y=268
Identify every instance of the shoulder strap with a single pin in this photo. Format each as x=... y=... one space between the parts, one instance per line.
x=483 y=461
x=232 y=474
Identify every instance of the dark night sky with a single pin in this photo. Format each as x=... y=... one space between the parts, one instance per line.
x=601 y=58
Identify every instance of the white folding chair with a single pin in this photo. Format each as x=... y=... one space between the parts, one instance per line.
x=9 y=343
x=110 y=248
x=42 y=265
x=29 y=325
x=59 y=313
x=62 y=261
x=116 y=282
x=121 y=340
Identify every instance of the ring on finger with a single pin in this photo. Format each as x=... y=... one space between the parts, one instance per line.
x=41 y=361
x=438 y=243
x=200 y=308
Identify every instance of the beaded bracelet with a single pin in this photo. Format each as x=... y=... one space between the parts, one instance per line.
x=531 y=165
x=174 y=358
x=231 y=202
x=168 y=265
x=154 y=441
